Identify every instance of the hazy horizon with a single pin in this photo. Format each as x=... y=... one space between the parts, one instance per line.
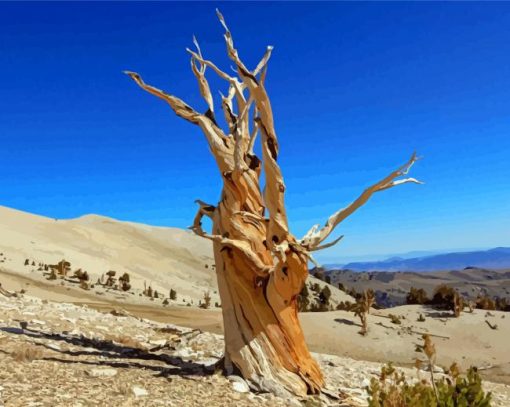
x=354 y=94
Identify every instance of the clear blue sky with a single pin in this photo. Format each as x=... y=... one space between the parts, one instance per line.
x=356 y=87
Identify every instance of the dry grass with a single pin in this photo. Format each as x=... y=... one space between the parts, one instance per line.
x=27 y=353
x=125 y=341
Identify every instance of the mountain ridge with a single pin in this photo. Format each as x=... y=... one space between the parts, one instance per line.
x=495 y=258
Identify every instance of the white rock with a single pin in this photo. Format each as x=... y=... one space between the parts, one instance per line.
x=53 y=346
x=105 y=372
x=37 y=322
x=158 y=342
x=365 y=383
x=139 y=391
x=239 y=384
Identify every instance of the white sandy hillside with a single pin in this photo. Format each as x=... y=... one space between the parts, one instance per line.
x=163 y=257
x=166 y=258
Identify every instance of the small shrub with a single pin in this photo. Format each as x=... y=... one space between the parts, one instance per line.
x=26 y=353
x=458 y=304
x=362 y=309
x=391 y=389
x=416 y=296
x=173 y=294
x=421 y=318
x=395 y=319
x=485 y=302
x=303 y=300
x=207 y=301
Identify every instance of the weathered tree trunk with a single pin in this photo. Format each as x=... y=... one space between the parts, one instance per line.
x=261 y=267
x=263 y=336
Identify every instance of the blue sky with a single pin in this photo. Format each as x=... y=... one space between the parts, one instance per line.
x=355 y=87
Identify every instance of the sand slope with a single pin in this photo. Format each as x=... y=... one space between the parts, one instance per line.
x=165 y=258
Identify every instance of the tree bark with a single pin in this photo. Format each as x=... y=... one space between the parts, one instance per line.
x=261 y=267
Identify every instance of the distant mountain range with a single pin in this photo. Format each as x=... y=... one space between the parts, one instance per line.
x=497 y=258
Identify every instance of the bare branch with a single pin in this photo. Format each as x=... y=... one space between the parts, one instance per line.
x=211 y=65
x=203 y=85
x=216 y=138
x=315 y=235
x=253 y=137
x=277 y=230
x=326 y=245
x=180 y=108
x=263 y=62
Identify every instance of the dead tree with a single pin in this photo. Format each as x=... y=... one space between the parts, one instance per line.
x=260 y=265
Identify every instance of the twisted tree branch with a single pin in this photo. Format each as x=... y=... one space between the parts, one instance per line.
x=315 y=236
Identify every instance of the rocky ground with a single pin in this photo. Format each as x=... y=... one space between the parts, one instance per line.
x=58 y=354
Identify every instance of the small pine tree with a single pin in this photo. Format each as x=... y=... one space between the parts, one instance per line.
x=417 y=296
x=303 y=299
x=207 y=301
x=173 y=294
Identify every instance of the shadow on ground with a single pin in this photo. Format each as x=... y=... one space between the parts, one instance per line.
x=114 y=352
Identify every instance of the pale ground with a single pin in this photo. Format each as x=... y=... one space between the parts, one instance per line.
x=69 y=355
x=162 y=256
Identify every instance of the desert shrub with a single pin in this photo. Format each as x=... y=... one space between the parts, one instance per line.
x=53 y=275
x=421 y=318
x=207 y=301
x=446 y=297
x=303 y=300
x=33 y=263
x=346 y=306
x=316 y=287
x=124 y=278
x=62 y=268
x=327 y=279
x=341 y=287
x=173 y=294
x=458 y=304
x=392 y=389
x=165 y=301
x=156 y=295
x=502 y=304
x=325 y=295
x=394 y=319
x=217 y=305
x=27 y=353
x=125 y=340
x=362 y=309
x=485 y=302
x=417 y=296
x=319 y=275
x=125 y=286
x=84 y=285
x=27 y=262
x=443 y=296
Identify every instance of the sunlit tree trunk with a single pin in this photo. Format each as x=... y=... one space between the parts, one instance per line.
x=261 y=267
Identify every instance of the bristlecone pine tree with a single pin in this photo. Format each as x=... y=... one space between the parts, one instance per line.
x=260 y=266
